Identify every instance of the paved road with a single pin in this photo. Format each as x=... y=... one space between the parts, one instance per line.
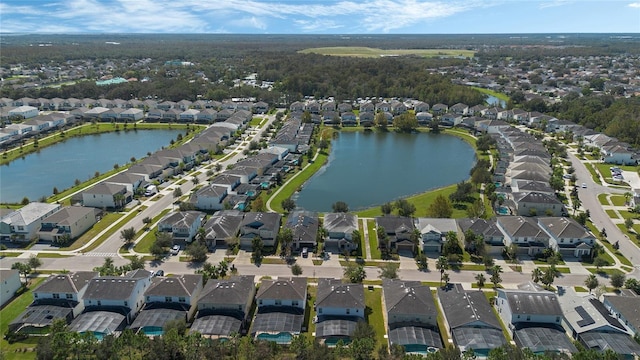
x=589 y=199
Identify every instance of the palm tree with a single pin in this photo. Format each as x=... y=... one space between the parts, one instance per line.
x=536 y=275
x=442 y=264
x=627 y=197
x=495 y=275
x=480 y=280
x=591 y=282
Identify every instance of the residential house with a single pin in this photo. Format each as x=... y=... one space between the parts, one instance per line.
x=105 y=195
x=487 y=229
x=567 y=236
x=620 y=155
x=222 y=227
x=10 y=280
x=424 y=118
x=207 y=116
x=450 y=119
x=244 y=173
x=24 y=112
x=527 y=186
x=524 y=232
x=367 y=107
x=132 y=114
x=534 y=319
x=58 y=297
x=476 y=110
x=626 y=309
x=189 y=115
x=304 y=228
x=226 y=180
x=399 y=230
x=344 y=107
x=459 y=109
x=24 y=223
x=224 y=306
x=264 y=225
x=280 y=311
x=210 y=197
x=439 y=109
x=339 y=229
x=589 y=322
x=472 y=323
x=534 y=203
x=183 y=225
x=339 y=307
x=411 y=315
x=69 y=222
x=168 y=299
x=127 y=179
x=366 y=119
x=260 y=107
x=420 y=106
x=433 y=233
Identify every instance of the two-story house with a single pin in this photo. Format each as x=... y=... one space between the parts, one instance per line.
x=304 y=227
x=567 y=236
x=183 y=225
x=24 y=223
x=259 y=224
x=399 y=230
x=433 y=232
x=524 y=232
x=70 y=221
x=411 y=315
x=105 y=195
x=10 y=281
x=222 y=227
x=339 y=229
x=339 y=307
x=281 y=308
x=223 y=306
x=626 y=309
x=210 y=197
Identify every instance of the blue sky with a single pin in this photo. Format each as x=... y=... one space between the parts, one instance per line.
x=319 y=16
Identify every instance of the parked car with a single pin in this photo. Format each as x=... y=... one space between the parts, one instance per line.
x=175 y=249
x=584 y=185
x=305 y=252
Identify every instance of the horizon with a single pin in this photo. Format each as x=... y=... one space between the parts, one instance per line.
x=320 y=17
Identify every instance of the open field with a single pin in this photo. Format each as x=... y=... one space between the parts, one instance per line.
x=358 y=51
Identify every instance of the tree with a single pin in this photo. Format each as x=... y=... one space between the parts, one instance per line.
x=591 y=282
x=147 y=221
x=440 y=208
x=442 y=264
x=389 y=271
x=288 y=204
x=195 y=180
x=628 y=223
x=599 y=262
x=23 y=269
x=405 y=208
x=25 y=201
x=480 y=280
x=258 y=248
x=354 y=272
x=34 y=262
x=380 y=120
x=258 y=205
x=136 y=262
x=197 y=251
x=496 y=279
x=128 y=235
x=617 y=280
x=296 y=269
x=340 y=206
x=386 y=208
x=422 y=262
x=285 y=239
x=406 y=122
x=446 y=279
x=550 y=275
x=177 y=192
x=536 y=275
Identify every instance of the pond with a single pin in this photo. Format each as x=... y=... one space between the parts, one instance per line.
x=494 y=101
x=367 y=169
x=35 y=175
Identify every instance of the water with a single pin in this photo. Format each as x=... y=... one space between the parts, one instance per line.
x=35 y=175
x=494 y=101
x=369 y=168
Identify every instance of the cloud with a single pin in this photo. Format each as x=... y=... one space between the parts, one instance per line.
x=635 y=5
x=317 y=25
x=249 y=22
x=554 y=3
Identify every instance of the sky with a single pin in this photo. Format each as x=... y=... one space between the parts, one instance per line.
x=320 y=16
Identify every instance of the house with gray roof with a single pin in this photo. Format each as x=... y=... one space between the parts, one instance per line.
x=399 y=229
x=339 y=229
x=590 y=323
x=487 y=229
x=433 y=232
x=538 y=204
x=221 y=227
x=183 y=225
x=626 y=309
x=10 y=281
x=106 y=195
x=210 y=197
x=568 y=236
x=527 y=186
x=339 y=307
x=534 y=319
x=304 y=227
x=24 y=223
x=224 y=305
x=281 y=308
x=69 y=222
x=411 y=315
x=264 y=225
x=524 y=232
x=472 y=323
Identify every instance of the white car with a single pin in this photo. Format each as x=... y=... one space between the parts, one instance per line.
x=175 y=249
x=584 y=185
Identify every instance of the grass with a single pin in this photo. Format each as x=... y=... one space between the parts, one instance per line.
x=373 y=301
x=113 y=229
x=10 y=254
x=542 y=262
x=617 y=253
x=311 y=313
x=594 y=174
x=144 y=245
x=626 y=214
x=603 y=199
x=492 y=294
x=560 y=269
x=611 y=213
x=440 y=320
x=277 y=261
x=580 y=289
x=367 y=52
x=471 y=267
x=380 y=263
x=618 y=200
x=10 y=312
x=106 y=220
x=296 y=182
x=373 y=240
x=627 y=268
x=51 y=255
x=604 y=272
x=317 y=262
x=516 y=268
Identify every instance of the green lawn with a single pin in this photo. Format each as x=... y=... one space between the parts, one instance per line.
x=489 y=295
x=580 y=289
x=373 y=240
x=561 y=269
x=106 y=220
x=603 y=199
x=144 y=245
x=51 y=255
x=373 y=312
x=618 y=200
x=606 y=272
x=612 y=214
x=10 y=312
x=593 y=173
x=440 y=319
x=311 y=312
x=626 y=214
x=617 y=253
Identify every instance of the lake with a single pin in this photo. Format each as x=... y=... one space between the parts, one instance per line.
x=367 y=169
x=35 y=175
x=494 y=101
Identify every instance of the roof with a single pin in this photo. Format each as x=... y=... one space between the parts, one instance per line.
x=235 y=290
x=223 y=224
x=340 y=222
x=536 y=198
x=29 y=213
x=466 y=308
x=283 y=289
x=477 y=338
x=40 y=316
x=259 y=220
x=111 y=288
x=304 y=226
x=393 y=224
x=212 y=190
x=563 y=227
x=519 y=226
x=618 y=342
x=585 y=313
x=336 y=327
x=182 y=218
x=278 y=321
x=627 y=306
x=183 y=285
x=540 y=339
x=105 y=188
x=69 y=215
x=333 y=293
x=101 y=322
x=70 y=283
x=408 y=297
x=413 y=335
x=216 y=325
x=157 y=318
x=442 y=225
x=532 y=302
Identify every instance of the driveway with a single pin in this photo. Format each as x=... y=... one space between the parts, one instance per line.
x=632 y=178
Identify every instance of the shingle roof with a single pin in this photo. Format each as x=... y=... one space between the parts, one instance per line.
x=235 y=290
x=464 y=308
x=333 y=293
x=519 y=226
x=533 y=303
x=283 y=289
x=29 y=213
x=627 y=306
x=111 y=288
x=408 y=297
x=562 y=227
x=183 y=285
x=340 y=222
x=70 y=283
